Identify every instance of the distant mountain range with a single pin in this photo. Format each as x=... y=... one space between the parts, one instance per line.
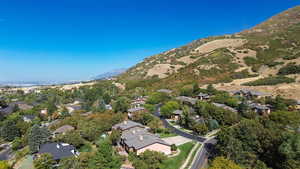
x=110 y=74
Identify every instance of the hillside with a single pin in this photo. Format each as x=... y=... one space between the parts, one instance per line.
x=258 y=52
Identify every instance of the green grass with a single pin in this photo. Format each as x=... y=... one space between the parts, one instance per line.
x=193 y=155
x=27 y=163
x=86 y=148
x=177 y=161
x=165 y=135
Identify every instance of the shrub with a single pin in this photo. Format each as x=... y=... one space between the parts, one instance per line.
x=289 y=69
x=270 y=81
x=173 y=147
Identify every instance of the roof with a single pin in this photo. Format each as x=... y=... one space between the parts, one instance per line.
x=165 y=91
x=64 y=129
x=136 y=109
x=75 y=107
x=258 y=106
x=7 y=110
x=139 y=138
x=250 y=92
x=57 y=150
x=29 y=116
x=186 y=99
x=203 y=95
x=225 y=107
x=127 y=124
x=177 y=112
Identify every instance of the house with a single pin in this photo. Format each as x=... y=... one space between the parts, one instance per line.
x=203 y=96
x=7 y=110
x=126 y=125
x=58 y=150
x=73 y=108
x=137 y=103
x=108 y=107
x=198 y=119
x=260 y=109
x=28 y=118
x=63 y=130
x=176 y=115
x=23 y=106
x=250 y=93
x=186 y=100
x=44 y=112
x=223 y=106
x=139 y=140
x=166 y=91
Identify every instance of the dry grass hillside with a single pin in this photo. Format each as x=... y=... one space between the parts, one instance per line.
x=231 y=60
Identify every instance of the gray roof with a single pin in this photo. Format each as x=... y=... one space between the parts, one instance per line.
x=165 y=91
x=7 y=110
x=136 y=109
x=186 y=99
x=58 y=150
x=29 y=116
x=64 y=129
x=258 y=106
x=139 y=138
x=127 y=124
x=177 y=112
x=225 y=107
x=250 y=92
x=203 y=95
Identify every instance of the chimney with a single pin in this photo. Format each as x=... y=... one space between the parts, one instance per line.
x=133 y=131
x=125 y=122
x=141 y=138
x=57 y=146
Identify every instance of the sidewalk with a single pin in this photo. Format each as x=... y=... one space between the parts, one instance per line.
x=190 y=156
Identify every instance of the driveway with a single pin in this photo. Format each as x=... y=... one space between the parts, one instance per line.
x=177 y=140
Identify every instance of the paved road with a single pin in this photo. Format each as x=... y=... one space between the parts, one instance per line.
x=201 y=155
x=179 y=132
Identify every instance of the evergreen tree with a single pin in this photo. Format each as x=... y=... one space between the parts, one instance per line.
x=37 y=136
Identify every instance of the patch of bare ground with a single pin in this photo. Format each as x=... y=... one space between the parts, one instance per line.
x=240 y=54
x=187 y=59
x=220 y=43
x=161 y=70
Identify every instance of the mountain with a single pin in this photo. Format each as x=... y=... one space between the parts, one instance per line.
x=110 y=74
x=230 y=60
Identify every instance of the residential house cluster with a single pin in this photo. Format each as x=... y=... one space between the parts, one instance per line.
x=136 y=138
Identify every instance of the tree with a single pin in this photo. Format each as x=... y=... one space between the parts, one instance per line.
x=211 y=90
x=106 y=98
x=37 y=136
x=9 y=131
x=200 y=128
x=45 y=161
x=4 y=165
x=223 y=163
x=73 y=138
x=290 y=149
x=115 y=136
x=121 y=105
x=185 y=120
x=148 y=160
x=196 y=89
x=105 y=158
x=168 y=108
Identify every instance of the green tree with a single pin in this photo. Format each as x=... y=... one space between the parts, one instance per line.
x=115 y=136
x=148 y=160
x=201 y=129
x=4 y=165
x=45 y=161
x=9 y=131
x=105 y=158
x=37 y=136
x=72 y=137
x=106 y=98
x=223 y=163
x=121 y=105
x=168 y=108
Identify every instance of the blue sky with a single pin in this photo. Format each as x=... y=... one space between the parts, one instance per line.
x=77 y=39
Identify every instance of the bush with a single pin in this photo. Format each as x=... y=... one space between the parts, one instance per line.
x=270 y=81
x=289 y=69
x=173 y=147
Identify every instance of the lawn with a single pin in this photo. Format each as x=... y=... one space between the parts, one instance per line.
x=166 y=135
x=177 y=161
x=26 y=163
